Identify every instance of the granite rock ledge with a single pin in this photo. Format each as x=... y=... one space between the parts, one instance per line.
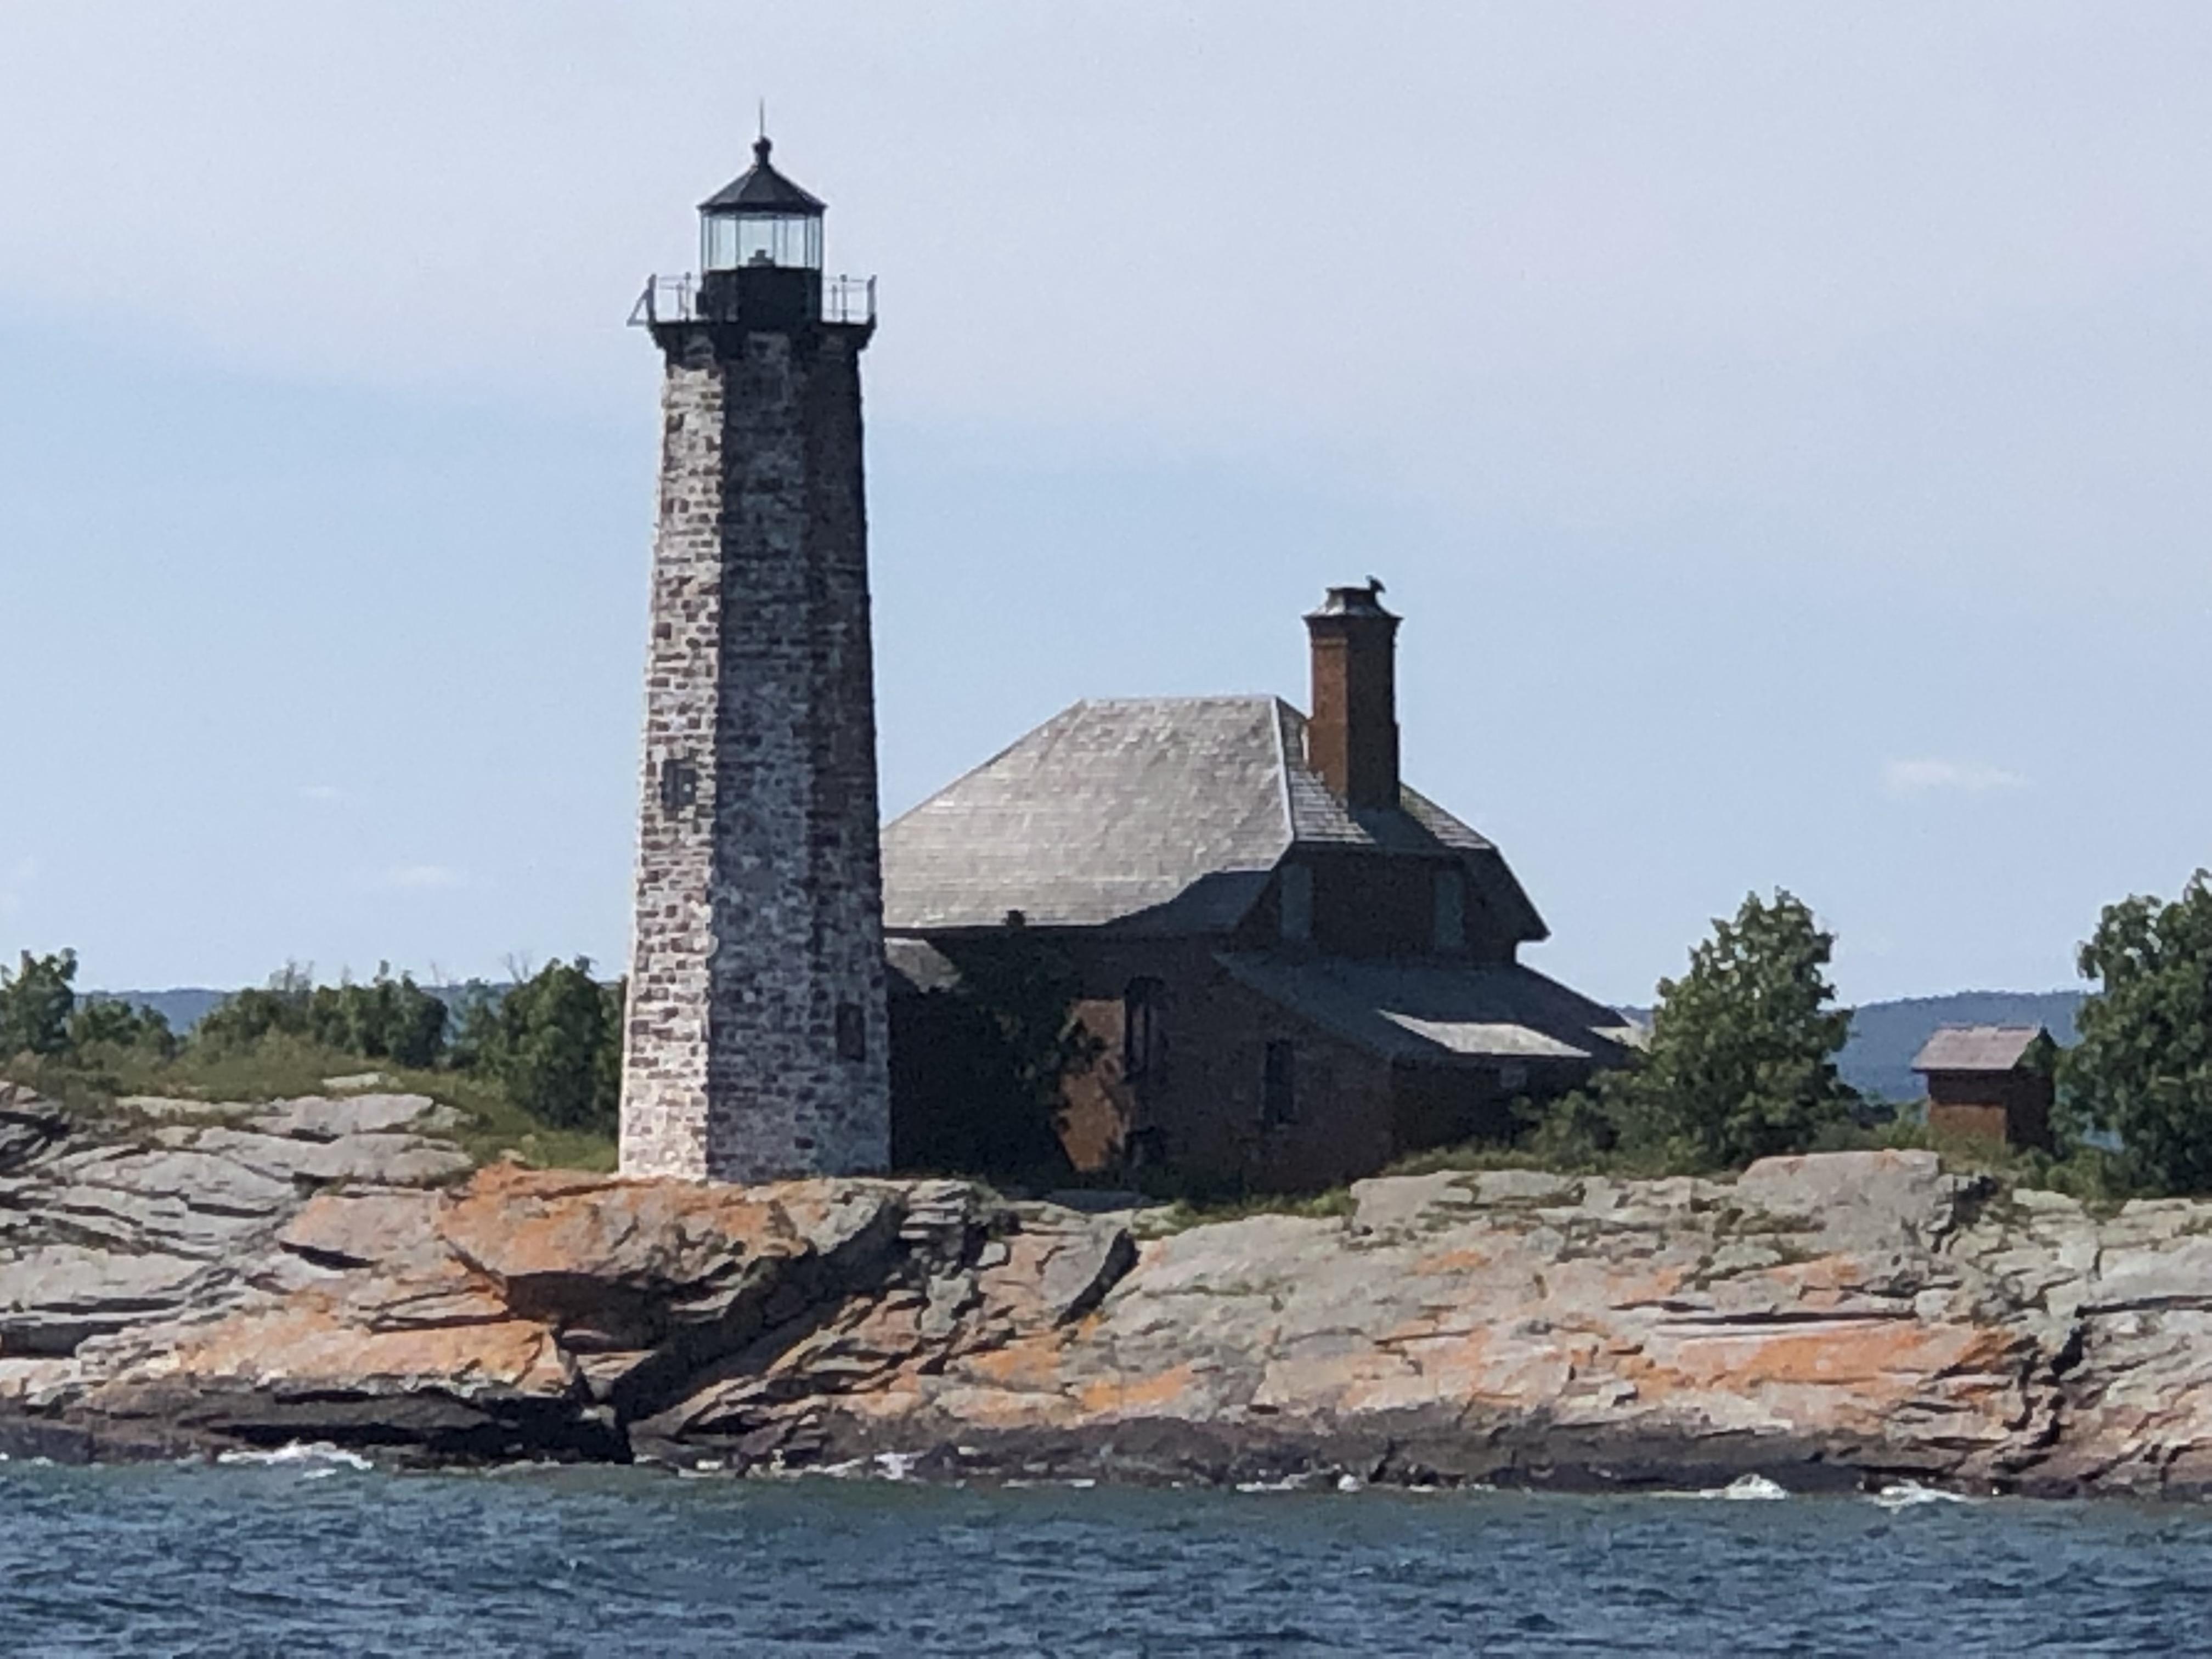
x=331 y=1271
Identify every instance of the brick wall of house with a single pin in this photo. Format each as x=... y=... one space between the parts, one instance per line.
x=1203 y=1105
x=1369 y=904
x=1374 y=906
x=1443 y=1106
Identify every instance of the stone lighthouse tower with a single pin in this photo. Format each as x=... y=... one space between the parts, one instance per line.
x=756 y=1032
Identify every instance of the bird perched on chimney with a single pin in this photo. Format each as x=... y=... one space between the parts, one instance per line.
x=1375 y=586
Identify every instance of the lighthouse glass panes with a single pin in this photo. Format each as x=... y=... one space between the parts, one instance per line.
x=732 y=239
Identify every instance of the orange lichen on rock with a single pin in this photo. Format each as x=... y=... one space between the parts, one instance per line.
x=313 y=1341
x=1139 y=1396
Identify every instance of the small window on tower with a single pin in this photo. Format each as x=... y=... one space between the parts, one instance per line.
x=680 y=785
x=852 y=1032
x=1279 y=1086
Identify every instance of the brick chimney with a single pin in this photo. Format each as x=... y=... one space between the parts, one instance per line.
x=1351 y=736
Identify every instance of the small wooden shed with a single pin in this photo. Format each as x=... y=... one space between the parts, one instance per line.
x=1990 y=1082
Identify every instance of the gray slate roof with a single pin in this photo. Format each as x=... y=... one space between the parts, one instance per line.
x=1441 y=1013
x=1978 y=1047
x=1155 y=815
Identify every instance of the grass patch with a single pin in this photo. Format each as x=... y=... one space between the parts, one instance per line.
x=281 y=1067
x=497 y=1128
x=1478 y=1155
x=1184 y=1213
x=2096 y=1177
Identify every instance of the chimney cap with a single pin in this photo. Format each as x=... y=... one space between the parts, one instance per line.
x=1364 y=600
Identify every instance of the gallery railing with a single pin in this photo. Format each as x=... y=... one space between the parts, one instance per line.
x=679 y=300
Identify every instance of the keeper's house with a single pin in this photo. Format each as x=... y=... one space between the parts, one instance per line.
x=1298 y=968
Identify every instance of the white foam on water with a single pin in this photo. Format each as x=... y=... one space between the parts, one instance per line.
x=1752 y=1488
x=896 y=1466
x=1745 y=1488
x=1909 y=1494
x=1288 y=1483
x=298 y=1451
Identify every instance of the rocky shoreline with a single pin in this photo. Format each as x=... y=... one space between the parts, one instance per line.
x=194 y=1279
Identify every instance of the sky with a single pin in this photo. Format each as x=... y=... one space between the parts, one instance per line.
x=1786 y=430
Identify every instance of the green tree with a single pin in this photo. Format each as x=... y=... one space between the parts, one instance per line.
x=1741 y=1062
x=553 y=1042
x=35 y=1003
x=387 y=1018
x=107 y=1024
x=2142 y=1069
x=243 y=1018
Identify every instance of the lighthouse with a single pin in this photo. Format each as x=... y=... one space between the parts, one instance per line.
x=754 y=1043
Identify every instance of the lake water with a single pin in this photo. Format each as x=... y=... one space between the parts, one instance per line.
x=313 y=1557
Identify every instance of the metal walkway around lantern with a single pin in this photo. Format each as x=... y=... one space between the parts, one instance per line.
x=677 y=299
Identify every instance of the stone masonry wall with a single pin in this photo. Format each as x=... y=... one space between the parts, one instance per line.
x=664 y=1120
x=757 y=1038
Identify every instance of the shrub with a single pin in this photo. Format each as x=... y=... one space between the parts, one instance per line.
x=36 y=1001
x=117 y=1027
x=387 y=1018
x=2142 y=1068
x=1741 y=1063
x=553 y=1042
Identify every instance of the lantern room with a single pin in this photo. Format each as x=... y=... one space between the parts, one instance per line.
x=760 y=264
x=759 y=220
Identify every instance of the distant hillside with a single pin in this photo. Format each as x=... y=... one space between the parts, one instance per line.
x=182 y=1007
x=1877 y=1061
x=189 y=1003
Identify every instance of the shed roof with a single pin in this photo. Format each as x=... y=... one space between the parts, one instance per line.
x=1435 y=1013
x=1152 y=815
x=1978 y=1047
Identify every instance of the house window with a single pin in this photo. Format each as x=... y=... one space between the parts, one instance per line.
x=1295 y=900
x=852 y=1032
x=1512 y=1078
x=1451 y=911
x=1144 y=1030
x=1279 y=1086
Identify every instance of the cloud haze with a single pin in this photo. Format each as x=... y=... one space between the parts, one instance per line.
x=1916 y=777
x=1738 y=398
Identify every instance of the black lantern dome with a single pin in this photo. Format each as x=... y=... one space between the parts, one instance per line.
x=759 y=219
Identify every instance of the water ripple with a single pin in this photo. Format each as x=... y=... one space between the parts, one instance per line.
x=250 y=1560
